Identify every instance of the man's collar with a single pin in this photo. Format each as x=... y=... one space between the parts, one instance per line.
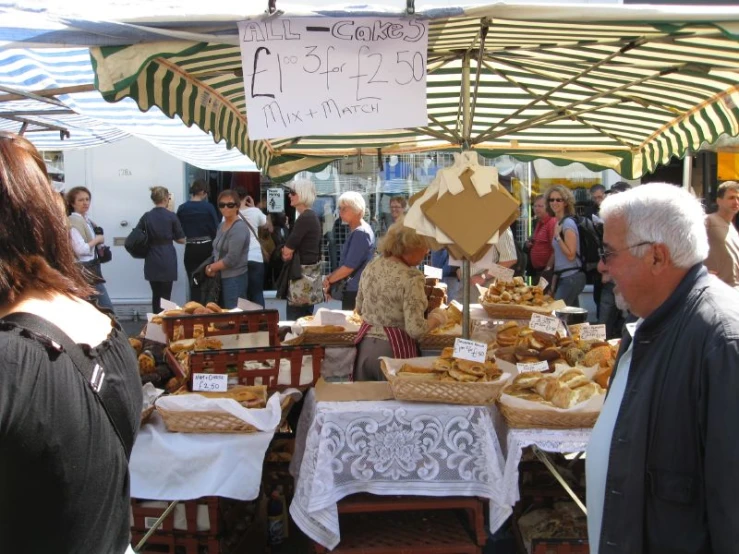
x=653 y=322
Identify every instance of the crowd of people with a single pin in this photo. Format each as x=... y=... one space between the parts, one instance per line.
x=660 y=460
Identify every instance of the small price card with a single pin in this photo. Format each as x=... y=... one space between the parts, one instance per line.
x=544 y=323
x=593 y=332
x=333 y=318
x=247 y=306
x=431 y=271
x=501 y=273
x=533 y=366
x=209 y=382
x=470 y=350
x=543 y=283
x=168 y=305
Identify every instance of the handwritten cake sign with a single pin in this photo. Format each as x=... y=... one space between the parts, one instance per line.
x=309 y=76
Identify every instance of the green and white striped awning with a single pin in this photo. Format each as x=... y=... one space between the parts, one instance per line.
x=612 y=93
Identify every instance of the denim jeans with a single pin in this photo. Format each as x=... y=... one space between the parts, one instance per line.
x=233 y=288
x=102 y=297
x=569 y=288
x=255 y=289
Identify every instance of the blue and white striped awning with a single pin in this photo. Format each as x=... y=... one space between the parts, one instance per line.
x=89 y=120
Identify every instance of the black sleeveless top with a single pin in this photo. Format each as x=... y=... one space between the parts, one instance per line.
x=64 y=484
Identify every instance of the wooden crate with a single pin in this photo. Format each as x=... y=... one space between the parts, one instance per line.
x=224 y=323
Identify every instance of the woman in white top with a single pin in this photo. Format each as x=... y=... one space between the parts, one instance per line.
x=85 y=241
x=255 y=220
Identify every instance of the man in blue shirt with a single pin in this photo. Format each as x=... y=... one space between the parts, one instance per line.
x=199 y=221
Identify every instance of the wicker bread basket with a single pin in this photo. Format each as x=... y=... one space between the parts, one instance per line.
x=146 y=414
x=519 y=418
x=213 y=421
x=430 y=341
x=345 y=338
x=472 y=394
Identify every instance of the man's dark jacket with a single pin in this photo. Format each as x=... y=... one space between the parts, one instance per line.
x=673 y=469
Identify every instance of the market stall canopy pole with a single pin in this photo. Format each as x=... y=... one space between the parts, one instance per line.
x=613 y=88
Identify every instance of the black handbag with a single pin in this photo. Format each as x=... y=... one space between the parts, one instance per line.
x=137 y=241
x=104 y=253
x=336 y=290
x=210 y=286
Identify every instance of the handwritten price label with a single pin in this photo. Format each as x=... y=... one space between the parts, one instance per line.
x=209 y=382
x=533 y=366
x=470 y=350
x=544 y=323
x=543 y=283
x=431 y=271
x=308 y=76
x=167 y=305
x=593 y=332
x=501 y=273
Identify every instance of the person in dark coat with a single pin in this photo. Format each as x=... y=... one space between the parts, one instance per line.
x=160 y=264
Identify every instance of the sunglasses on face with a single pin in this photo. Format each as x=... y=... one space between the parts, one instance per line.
x=227 y=205
x=606 y=253
x=556 y=199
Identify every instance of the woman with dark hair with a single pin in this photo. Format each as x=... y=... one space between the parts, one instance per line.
x=160 y=264
x=86 y=237
x=231 y=251
x=63 y=458
x=199 y=221
x=569 y=275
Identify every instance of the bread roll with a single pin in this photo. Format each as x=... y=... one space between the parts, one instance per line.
x=527 y=380
x=191 y=306
x=472 y=368
x=408 y=368
x=213 y=307
x=447 y=353
x=564 y=398
x=441 y=364
x=173 y=313
x=573 y=378
x=547 y=387
x=599 y=355
x=462 y=376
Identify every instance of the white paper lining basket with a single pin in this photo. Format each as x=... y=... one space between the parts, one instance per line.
x=474 y=394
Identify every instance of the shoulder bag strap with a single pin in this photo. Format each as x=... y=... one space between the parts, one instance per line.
x=265 y=255
x=92 y=373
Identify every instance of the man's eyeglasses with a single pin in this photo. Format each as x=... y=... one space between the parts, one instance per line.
x=605 y=254
x=227 y=205
x=556 y=200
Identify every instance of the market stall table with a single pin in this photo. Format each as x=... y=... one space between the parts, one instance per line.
x=563 y=441
x=391 y=448
x=185 y=466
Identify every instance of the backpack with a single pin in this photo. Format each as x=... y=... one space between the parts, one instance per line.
x=590 y=242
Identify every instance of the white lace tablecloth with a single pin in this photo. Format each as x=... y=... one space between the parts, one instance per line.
x=563 y=441
x=390 y=448
x=184 y=466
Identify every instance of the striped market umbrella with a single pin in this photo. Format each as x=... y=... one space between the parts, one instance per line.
x=610 y=87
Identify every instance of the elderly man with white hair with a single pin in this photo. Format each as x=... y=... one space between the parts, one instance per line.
x=662 y=460
x=357 y=252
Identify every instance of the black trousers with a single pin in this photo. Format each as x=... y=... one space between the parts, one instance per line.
x=159 y=290
x=349 y=300
x=196 y=254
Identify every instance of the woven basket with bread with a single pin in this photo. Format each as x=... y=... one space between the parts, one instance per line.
x=568 y=398
x=444 y=379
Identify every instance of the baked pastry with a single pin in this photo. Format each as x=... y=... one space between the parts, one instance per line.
x=191 y=306
x=599 y=355
x=323 y=329
x=147 y=364
x=408 y=368
x=471 y=368
x=548 y=387
x=527 y=380
x=603 y=376
x=173 y=313
x=462 y=376
x=208 y=343
x=136 y=344
x=213 y=307
x=185 y=345
x=447 y=353
x=564 y=398
x=202 y=311
x=573 y=378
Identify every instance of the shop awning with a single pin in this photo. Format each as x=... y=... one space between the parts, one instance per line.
x=618 y=87
x=49 y=95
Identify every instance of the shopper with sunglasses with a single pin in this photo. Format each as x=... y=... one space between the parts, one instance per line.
x=160 y=264
x=569 y=277
x=231 y=251
x=305 y=241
